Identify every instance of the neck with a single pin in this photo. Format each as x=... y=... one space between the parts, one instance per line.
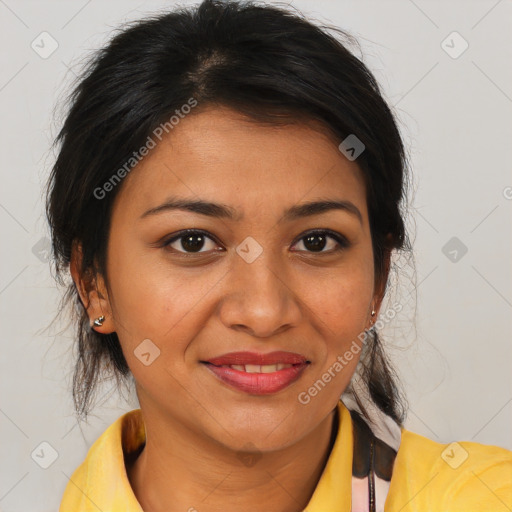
x=180 y=470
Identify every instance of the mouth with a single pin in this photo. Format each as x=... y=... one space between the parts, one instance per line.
x=258 y=374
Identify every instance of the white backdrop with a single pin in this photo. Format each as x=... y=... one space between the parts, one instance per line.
x=451 y=343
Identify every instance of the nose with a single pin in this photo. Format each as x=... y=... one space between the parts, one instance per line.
x=261 y=298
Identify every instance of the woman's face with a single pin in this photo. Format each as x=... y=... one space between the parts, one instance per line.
x=251 y=281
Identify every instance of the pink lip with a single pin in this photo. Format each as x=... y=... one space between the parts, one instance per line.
x=258 y=383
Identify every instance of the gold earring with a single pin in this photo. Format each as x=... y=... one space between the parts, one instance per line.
x=99 y=321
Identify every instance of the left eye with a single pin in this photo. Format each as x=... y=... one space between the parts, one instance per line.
x=316 y=241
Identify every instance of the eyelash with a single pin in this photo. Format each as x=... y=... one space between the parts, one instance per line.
x=342 y=242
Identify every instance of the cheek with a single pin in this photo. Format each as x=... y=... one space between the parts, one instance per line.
x=151 y=299
x=342 y=298
x=339 y=310
x=341 y=319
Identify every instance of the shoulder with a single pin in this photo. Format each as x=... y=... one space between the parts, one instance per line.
x=101 y=480
x=459 y=476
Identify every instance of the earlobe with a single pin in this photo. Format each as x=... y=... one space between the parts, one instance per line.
x=92 y=292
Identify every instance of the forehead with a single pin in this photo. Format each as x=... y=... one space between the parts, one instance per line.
x=220 y=155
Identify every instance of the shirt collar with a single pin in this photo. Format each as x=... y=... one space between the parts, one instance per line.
x=107 y=484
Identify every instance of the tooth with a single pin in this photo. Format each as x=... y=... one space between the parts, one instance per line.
x=256 y=368
x=253 y=368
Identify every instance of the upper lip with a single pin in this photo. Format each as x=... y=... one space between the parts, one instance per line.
x=258 y=359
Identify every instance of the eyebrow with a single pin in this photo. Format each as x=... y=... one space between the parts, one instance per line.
x=223 y=211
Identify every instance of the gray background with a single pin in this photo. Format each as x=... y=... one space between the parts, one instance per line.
x=452 y=341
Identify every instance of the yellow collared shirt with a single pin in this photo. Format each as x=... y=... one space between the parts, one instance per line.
x=427 y=476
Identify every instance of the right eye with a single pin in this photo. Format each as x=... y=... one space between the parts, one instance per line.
x=189 y=241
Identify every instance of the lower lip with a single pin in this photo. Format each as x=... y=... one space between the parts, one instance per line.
x=258 y=383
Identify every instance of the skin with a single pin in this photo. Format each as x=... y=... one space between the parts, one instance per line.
x=194 y=308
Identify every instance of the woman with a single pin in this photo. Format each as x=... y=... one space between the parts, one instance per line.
x=227 y=197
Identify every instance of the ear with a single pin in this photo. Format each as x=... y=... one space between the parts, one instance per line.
x=92 y=291
x=380 y=286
